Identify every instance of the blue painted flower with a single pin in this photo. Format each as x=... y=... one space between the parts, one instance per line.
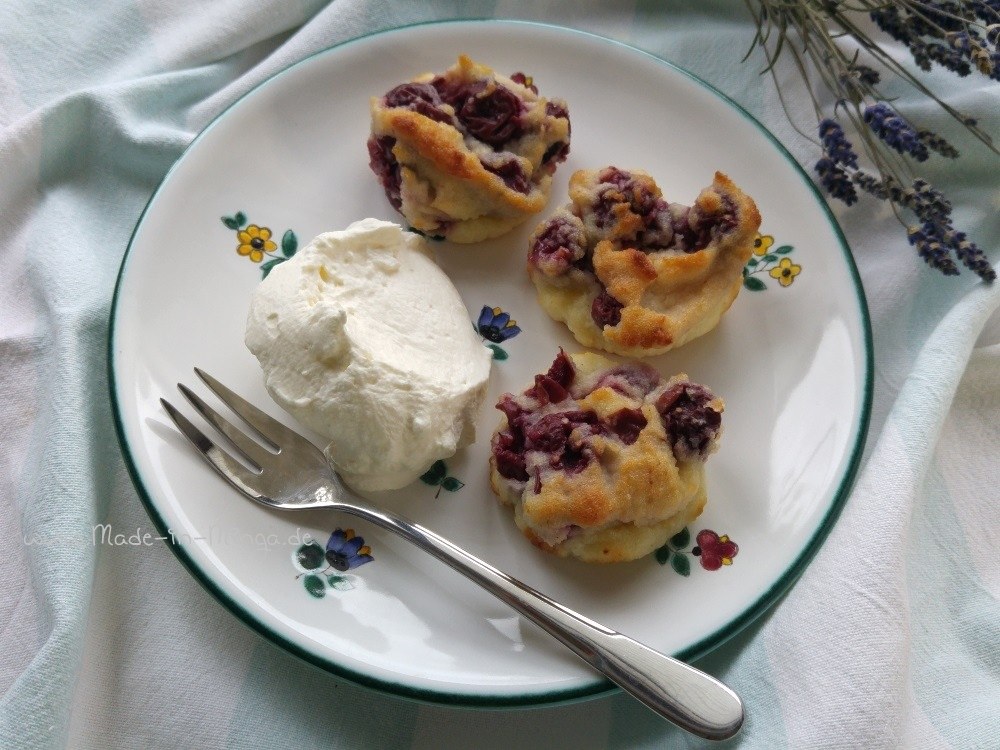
x=495 y=325
x=346 y=550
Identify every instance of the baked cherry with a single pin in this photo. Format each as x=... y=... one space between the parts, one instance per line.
x=606 y=310
x=492 y=114
x=689 y=419
x=558 y=246
x=418 y=97
x=383 y=163
x=511 y=172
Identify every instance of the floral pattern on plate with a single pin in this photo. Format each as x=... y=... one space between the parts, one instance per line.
x=323 y=570
x=496 y=326
x=254 y=242
x=437 y=476
x=712 y=550
x=774 y=263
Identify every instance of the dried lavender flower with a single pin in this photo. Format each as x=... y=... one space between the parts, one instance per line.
x=896 y=132
x=930 y=248
x=835 y=143
x=836 y=181
x=962 y=36
x=937 y=144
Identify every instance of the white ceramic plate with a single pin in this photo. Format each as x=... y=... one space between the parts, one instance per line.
x=793 y=362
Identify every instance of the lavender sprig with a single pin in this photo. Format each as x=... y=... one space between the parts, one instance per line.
x=896 y=132
x=961 y=36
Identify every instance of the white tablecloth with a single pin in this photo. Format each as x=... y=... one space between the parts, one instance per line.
x=890 y=639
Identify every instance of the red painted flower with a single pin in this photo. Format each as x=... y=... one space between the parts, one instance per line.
x=713 y=550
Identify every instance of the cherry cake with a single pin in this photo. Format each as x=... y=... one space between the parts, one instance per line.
x=633 y=274
x=604 y=461
x=467 y=154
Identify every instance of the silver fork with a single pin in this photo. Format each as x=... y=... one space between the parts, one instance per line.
x=289 y=472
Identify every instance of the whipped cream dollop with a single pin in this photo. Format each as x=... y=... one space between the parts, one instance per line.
x=365 y=340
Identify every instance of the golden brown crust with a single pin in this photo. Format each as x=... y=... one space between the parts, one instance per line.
x=445 y=187
x=672 y=270
x=633 y=493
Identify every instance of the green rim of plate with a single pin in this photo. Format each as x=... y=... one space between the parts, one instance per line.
x=600 y=686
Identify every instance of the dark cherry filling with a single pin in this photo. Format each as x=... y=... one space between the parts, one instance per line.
x=551 y=433
x=492 y=116
x=383 y=163
x=418 y=97
x=451 y=92
x=522 y=79
x=562 y=435
x=615 y=176
x=627 y=424
x=572 y=461
x=508 y=445
x=633 y=380
x=562 y=370
x=555 y=154
x=668 y=226
x=511 y=409
x=690 y=236
x=570 y=452
x=606 y=310
x=659 y=231
x=690 y=422
x=510 y=459
x=585 y=264
x=554 y=109
x=558 y=151
x=547 y=390
x=553 y=386
x=511 y=173
x=559 y=246
x=694 y=231
x=623 y=190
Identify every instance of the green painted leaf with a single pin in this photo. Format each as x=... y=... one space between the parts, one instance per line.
x=266 y=268
x=241 y=218
x=662 y=554
x=784 y=250
x=681 y=539
x=452 y=485
x=769 y=258
x=315 y=586
x=681 y=564
x=498 y=353
x=754 y=285
x=752 y=263
x=310 y=556
x=289 y=244
x=230 y=222
x=435 y=474
x=340 y=583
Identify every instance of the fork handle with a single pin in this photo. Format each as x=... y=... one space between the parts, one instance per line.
x=680 y=693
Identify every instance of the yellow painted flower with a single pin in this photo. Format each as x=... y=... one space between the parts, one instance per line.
x=785 y=272
x=762 y=243
x=255 y=241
